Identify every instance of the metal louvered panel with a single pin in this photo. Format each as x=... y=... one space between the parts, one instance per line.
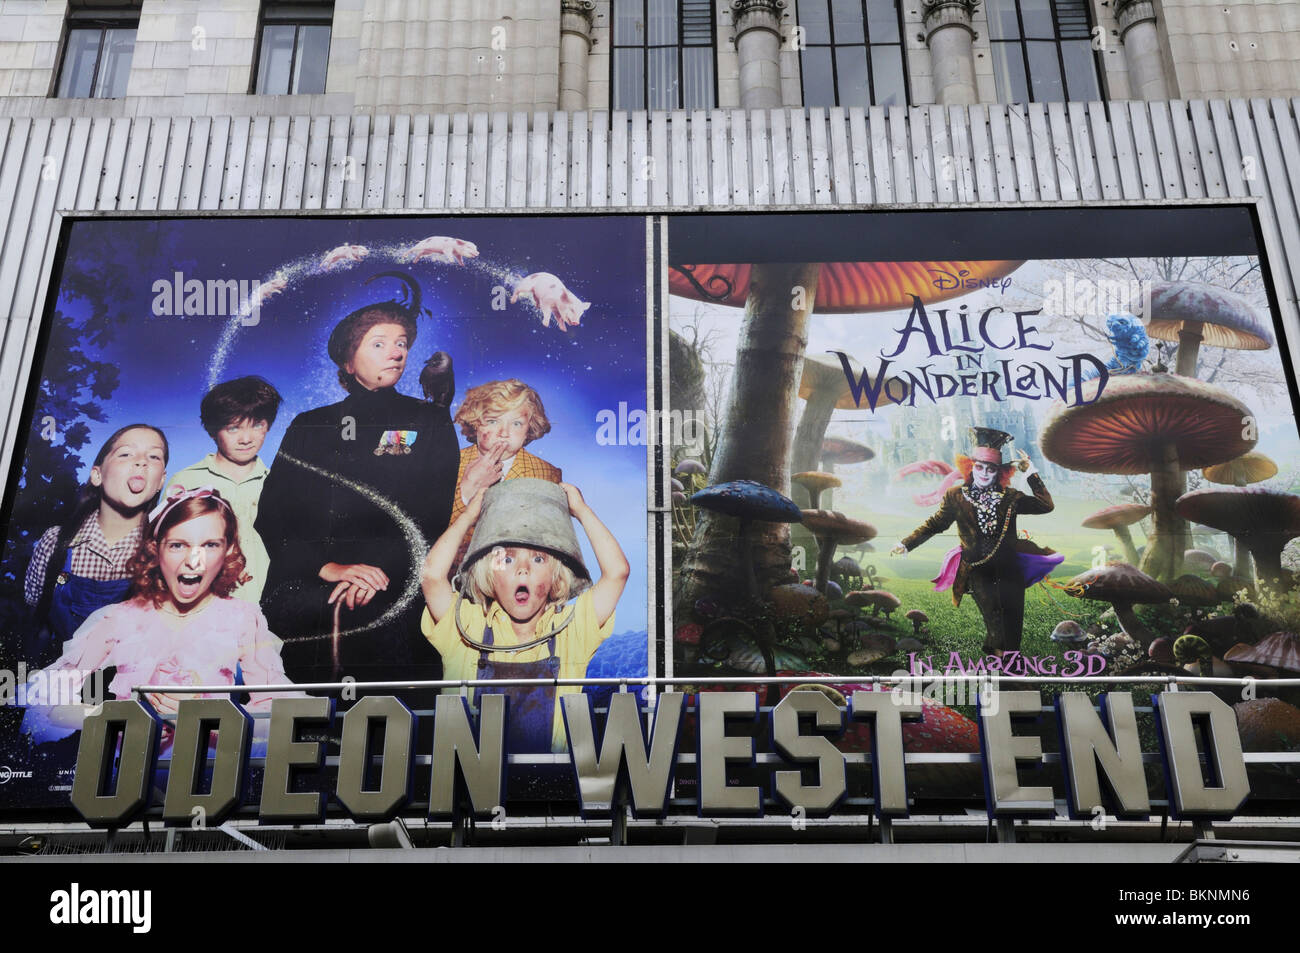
x=1159 y=152
x=1072 y=17
x=697 y=22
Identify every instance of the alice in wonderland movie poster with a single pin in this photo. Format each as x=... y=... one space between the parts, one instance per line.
x=1033 y=444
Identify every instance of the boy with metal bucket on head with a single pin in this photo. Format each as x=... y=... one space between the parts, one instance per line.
x=507 y=614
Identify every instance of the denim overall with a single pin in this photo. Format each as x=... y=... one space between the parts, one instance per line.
x=531 y=710
x=76 y=597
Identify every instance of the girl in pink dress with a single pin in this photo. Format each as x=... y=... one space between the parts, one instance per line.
x=179 y=625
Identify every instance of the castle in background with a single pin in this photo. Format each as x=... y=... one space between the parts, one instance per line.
x=941 y=431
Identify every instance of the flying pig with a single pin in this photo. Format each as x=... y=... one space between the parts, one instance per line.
x=450 y=251
x=344 y=254
x=266 y=290
x=549 y=295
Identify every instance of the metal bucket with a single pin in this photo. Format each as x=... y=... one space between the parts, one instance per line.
x=531 y=513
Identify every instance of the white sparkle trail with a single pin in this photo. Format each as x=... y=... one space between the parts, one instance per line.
x=417 y=547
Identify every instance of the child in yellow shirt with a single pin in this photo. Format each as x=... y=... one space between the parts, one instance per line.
x=508 y=615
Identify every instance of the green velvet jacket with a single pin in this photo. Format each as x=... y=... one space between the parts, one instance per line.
x=955 y=508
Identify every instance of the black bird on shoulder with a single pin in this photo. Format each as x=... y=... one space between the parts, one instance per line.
x=438 y=379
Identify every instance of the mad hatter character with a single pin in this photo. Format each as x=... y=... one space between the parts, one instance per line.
x=990 y=562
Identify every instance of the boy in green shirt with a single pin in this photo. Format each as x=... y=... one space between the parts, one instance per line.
x=237 y=415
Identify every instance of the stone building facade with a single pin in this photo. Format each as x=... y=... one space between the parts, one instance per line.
x=199 y=57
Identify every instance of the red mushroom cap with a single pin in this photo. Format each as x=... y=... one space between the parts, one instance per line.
x=847 y=287
x=1137 y=416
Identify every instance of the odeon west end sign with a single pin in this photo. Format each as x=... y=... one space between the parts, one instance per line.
x=619 y=764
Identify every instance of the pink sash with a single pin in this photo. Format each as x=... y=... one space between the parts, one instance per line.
x=948 y=570
x=1033 y=567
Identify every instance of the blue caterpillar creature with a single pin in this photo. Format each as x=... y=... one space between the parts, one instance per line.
x=1129 y=339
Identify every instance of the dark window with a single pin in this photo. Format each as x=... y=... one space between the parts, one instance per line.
x=293 y=48
x=852 y=53
x=663 y=55
x=97 y=47
x=1042 y=51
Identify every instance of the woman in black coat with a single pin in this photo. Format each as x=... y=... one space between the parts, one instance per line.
x=357 y=492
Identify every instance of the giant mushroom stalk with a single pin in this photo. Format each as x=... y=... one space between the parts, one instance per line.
x=1261 y=521
x=1158 y=424
x=1118 y=519
x=1194 y=313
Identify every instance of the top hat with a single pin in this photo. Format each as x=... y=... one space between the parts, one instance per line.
x=988 y=444
x=529 y=513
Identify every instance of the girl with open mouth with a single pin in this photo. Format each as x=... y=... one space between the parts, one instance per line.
x=179 y=627
x=81 y=565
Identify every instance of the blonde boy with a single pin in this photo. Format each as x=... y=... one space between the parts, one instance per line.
x=498 y=419
x=517 y=622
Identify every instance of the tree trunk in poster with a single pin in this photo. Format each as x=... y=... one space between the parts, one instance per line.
x=754 y=443
x=806 y=455
x=1163 y=559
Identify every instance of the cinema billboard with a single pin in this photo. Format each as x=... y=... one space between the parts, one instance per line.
x=244 y=437
x=947 y=448
x=1051 y=443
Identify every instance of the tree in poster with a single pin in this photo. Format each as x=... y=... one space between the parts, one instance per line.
x=754 y=443
x=71 y=393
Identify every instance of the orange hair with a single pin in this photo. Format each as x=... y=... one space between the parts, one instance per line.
x=499 y=397
x=146 y=577
x=965 y=466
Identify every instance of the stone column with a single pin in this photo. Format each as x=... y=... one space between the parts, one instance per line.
x=948 y=34
x=576 y=17
x=1137 y=31
x=758 y=43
